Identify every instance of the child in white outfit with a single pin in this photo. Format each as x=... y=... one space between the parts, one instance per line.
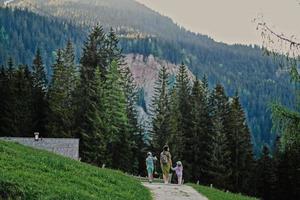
x=179 y=171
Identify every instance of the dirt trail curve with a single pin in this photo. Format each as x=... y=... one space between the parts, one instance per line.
x=173 y=192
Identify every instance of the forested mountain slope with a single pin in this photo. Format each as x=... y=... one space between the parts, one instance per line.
x=22 y=32
x=240 y=68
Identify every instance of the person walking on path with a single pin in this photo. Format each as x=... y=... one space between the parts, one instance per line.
x=179 y=171
x=165 y=163
x=150 y=166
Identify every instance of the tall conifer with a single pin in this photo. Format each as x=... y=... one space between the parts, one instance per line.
x=201 y=129
x=86 y=99
x=241 y=152
x=220 y=169
x=161 y=111
x=40 y=103
x=116 y=121
x=183 y=87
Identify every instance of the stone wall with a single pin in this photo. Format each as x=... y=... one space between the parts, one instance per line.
x=68 y=147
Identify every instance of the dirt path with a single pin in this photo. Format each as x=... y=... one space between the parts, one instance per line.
x=173 y=192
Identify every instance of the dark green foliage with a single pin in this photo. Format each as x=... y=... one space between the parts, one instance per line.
x=278 y=176
x=219 y=163
x=161 y=112
x=288 y=174
x=181 y=139
x=40 y=104
x=176 y=136
x=94 y=54
x=220 y=160
x=97 y=105
x=266 y=175
x=287 y=156
x=230 y=66
x=105 y=100
x=202 y=130
x=22 y=32
x=87 y=96
x=241 y=149
x=10 y=191
x=6 y=90
x=23 y=101
x=61 y=92
x=115 y=120
x=17 y=101
x=113 y=51
x=134 y=128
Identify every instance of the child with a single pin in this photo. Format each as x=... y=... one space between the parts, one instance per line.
x=179 y=171
x=150 y=166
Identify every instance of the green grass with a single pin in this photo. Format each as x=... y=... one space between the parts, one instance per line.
x=215 y=194
x=26 y=173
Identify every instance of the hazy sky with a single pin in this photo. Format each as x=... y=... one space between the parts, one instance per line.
x=231 y=21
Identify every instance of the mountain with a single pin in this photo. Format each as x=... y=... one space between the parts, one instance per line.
x=240 y=68
x=22 y=32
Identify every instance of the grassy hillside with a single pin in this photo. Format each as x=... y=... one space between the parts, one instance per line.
x=215 y=194
x=26 y=173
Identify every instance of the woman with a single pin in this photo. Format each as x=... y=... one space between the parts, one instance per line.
x=165 y=163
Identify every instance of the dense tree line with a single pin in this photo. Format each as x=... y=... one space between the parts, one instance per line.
x=94 y=101
x=205 y=129
x=238 y=68
x=23 y=32
x=222 y=63
x=279 y=173
x=208 y=132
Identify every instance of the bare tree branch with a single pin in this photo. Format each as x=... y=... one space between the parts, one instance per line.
x=280 y=36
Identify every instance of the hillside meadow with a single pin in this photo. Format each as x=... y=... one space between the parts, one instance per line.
x=29 y=174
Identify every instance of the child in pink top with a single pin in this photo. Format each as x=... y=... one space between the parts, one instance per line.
x=179 y=171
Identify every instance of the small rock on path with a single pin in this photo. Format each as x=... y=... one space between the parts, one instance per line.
x=173 y=192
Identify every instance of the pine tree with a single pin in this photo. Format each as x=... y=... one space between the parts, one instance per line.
x=59 y=125
x=86 y=100
x=16 y=106
x=161 y=111
x=266 y=175
x=7 y=104
x=97 y=142
x=183 y=90
x=287 y=172
x=114 y=53
x=241 y=153
x=71 y=83
x=68 y=56
x=116 y=121
x=201 y=129
x=61 y=93
x=136 y=135
x=23 y=103
x=94 y=54
x=40 y=103
x=220 y=169
x=176 y=136
x=287 y=122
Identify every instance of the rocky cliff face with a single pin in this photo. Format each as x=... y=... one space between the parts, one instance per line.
x=145 y=72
